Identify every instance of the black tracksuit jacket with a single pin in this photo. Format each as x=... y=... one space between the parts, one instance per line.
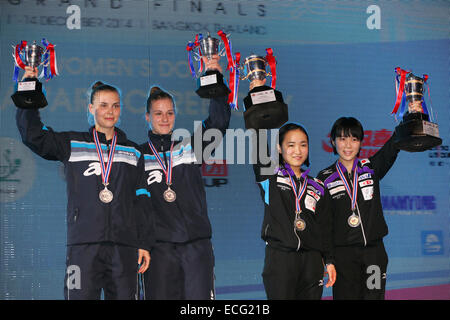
x=373 y=226
x=185 y=219
x=127 y=219
x=279 y=211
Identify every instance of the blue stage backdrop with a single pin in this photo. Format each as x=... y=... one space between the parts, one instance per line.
x=335 y=58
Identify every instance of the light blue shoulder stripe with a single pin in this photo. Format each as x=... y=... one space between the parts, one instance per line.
x=175 y=153
x=91 y=145
x=142 y=192
x=265 y=185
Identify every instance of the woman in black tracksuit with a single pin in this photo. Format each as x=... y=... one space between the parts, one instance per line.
x=357 y=227
x=293 y=225
x=182 y=257
x=109 y=226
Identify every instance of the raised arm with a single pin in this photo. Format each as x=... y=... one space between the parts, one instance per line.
x=383 y=160
x=40 y=139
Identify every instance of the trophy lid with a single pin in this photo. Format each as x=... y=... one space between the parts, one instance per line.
x=412 y=77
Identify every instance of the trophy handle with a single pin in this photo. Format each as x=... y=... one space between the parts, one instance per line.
x=243 y=78
x=222 y=51
x=243 y=75
x=197 y=57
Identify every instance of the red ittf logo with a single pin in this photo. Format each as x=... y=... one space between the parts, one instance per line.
x=373 y=140
x=216 y=168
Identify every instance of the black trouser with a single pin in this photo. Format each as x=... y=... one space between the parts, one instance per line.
x=293 y=275
x=361 y=272
x=93 y=267
x=181 y=271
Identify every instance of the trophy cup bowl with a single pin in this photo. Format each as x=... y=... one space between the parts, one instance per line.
x=211 y=83
x=29 y=93
x=264 y=106
x=416 y=133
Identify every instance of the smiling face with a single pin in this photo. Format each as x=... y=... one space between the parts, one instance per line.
x=294 y=149
x=161 y=116
x=106 y=110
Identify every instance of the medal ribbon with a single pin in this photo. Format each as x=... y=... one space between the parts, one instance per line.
x=167 y=171
x=352 y=194
x=105 y=170
x=401 y=87
x=273 y=69
x=298 y=196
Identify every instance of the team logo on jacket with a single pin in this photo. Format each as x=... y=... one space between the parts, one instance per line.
x=93 y=168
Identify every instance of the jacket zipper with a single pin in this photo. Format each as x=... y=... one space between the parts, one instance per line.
x=265 y=231
x=108 y=215
x=299 y=242
x=295 y=231
x=362 y=226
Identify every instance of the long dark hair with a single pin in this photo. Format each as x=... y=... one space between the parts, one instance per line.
x=281 y=134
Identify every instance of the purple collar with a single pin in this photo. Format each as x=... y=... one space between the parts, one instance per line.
x=344 y=169
x=286 y=170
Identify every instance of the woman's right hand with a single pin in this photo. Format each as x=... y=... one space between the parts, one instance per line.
x=257 y=83
x=30 y=72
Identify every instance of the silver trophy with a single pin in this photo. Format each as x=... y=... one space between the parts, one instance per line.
x=211 y=83
x=29 y=93
x=264 y=106
x=416 y=132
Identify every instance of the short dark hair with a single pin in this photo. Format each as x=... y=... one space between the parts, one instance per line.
x=285 y=129
x=346 y=127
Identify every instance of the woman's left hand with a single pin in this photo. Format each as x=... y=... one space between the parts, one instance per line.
x=144 y=257
x=213 y=63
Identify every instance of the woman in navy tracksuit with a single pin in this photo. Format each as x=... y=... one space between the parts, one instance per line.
x=297 y=247
x=357 y=227
x=109 y=226
x=182 y=258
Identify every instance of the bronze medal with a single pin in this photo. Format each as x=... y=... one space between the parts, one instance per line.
x=169 y=195
x=106 y=196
